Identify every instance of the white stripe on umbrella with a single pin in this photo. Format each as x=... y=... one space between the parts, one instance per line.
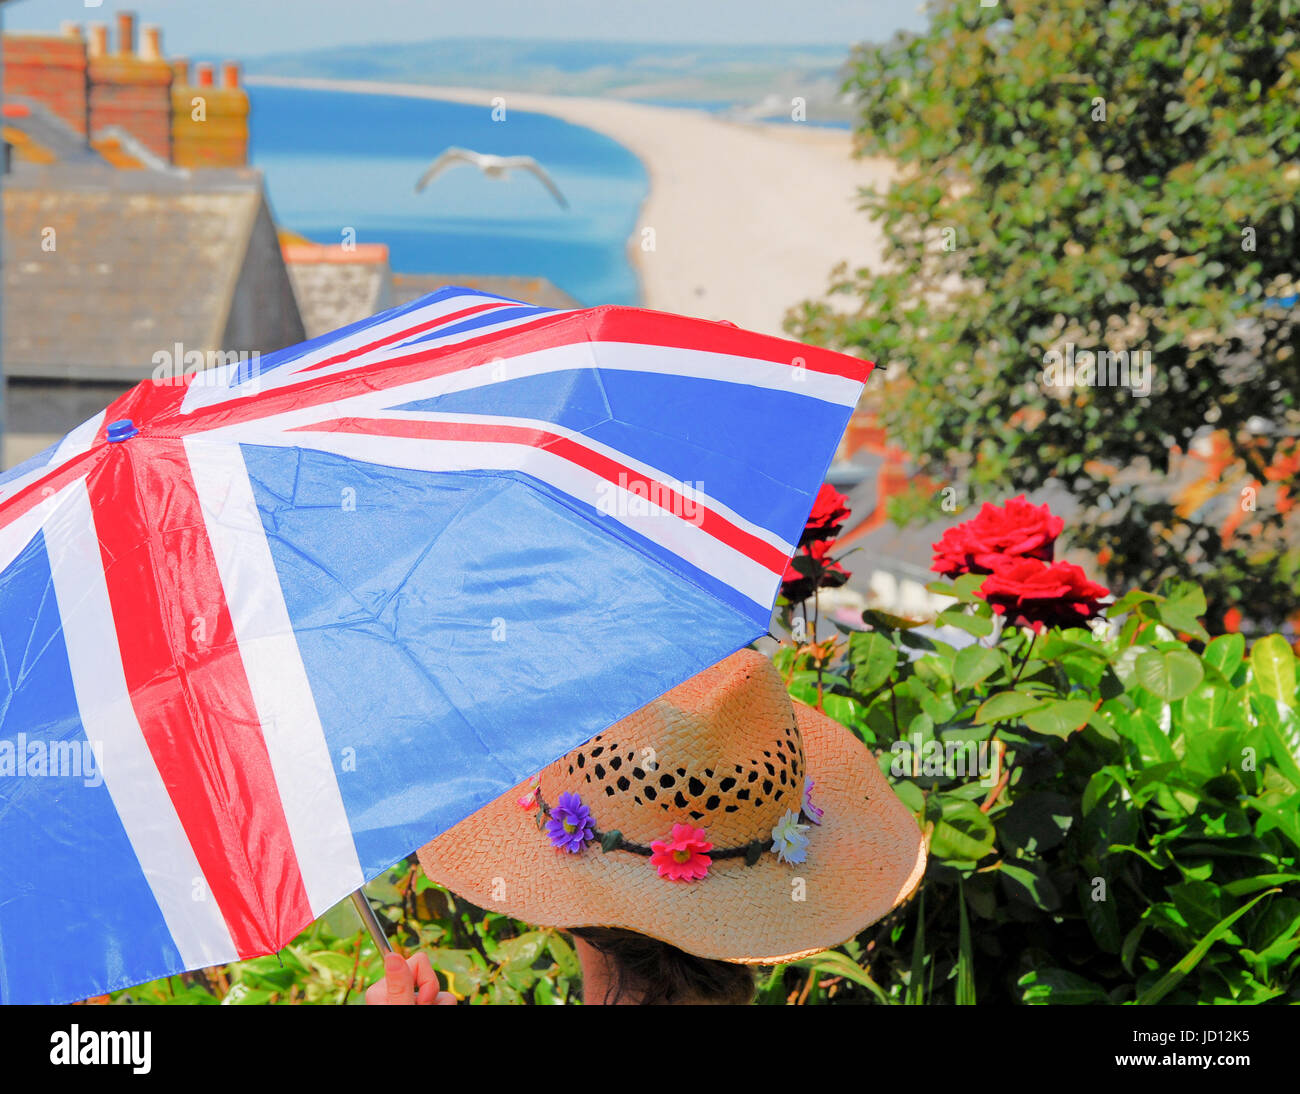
x=74 y=444
x=399 y=329
x=643 y=471
x=609 y=356
x=15 y=536
x=295 y=741
x=139 y=795
x=672 y=532
x=619 y=355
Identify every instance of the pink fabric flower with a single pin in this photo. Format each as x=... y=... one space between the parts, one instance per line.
x=684 y=856
x=529 y=800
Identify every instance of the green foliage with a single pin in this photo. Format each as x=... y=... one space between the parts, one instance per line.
x=481 y=957
x=1120 y=176
x=1112 y=816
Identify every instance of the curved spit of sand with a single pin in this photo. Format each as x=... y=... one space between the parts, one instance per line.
x=748 y=218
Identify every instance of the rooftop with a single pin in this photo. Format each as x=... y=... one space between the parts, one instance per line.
x=104 y=267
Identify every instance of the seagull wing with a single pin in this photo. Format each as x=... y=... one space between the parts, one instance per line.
x=449 y=158
x=527 y=163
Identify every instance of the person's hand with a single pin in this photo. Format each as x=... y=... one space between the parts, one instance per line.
x=406 y=983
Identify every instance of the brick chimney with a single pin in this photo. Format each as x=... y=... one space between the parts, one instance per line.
x=132 y=91
x=218 y=136
x=49 y=69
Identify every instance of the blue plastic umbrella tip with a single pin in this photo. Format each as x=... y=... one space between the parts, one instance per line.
x=121 y=429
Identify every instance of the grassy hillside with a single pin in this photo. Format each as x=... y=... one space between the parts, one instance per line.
x=759 y=79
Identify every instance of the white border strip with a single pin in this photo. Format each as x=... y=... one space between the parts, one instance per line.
x=295 y=741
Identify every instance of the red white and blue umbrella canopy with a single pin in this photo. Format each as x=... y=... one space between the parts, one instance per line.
x=265 y=633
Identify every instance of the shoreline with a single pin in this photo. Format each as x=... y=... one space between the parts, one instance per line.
x=747 y=218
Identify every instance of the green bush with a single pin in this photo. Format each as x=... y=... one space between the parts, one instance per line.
x=1119 y=176
x=1136 y=842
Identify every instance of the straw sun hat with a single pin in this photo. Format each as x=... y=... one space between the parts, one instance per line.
x=700 y=796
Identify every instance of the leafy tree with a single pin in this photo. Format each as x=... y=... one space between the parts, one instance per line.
x=1119 y=176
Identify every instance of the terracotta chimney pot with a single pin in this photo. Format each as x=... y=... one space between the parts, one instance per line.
x=204 y=70
x=150 y=42
x=125 y=33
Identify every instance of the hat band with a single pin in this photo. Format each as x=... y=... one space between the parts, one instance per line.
x=686 y=855
x=614 y=841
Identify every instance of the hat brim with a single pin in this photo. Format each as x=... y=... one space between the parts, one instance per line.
x=865 y=859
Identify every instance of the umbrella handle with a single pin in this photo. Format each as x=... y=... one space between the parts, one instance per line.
x=371 y=921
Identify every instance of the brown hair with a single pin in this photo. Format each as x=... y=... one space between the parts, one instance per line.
x=654 y=972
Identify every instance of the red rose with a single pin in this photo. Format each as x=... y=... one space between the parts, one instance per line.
x=827 y=517
x=1042 y=594
x=814 y=571
x=1018 y=530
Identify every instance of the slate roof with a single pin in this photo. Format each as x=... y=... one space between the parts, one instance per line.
x=141 y=260
x=43 y=128
x=531 y=290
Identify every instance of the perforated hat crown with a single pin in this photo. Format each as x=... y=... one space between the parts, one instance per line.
x=722 y=753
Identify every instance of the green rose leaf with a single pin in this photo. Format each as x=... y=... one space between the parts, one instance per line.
x=978 y=625
x=1005 y=706
x=1060 y=718
x=1059 y=987
x=1273 y=664
x=962 y=832
x=1170 y=674
x=884 y=621
x=874 y=657
x=1225 y=653
x=1182 y=610
x=973 y=664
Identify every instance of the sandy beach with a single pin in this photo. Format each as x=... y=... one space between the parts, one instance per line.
x=747 y=219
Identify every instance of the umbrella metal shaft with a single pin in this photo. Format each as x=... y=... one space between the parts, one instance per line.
x=371 y=921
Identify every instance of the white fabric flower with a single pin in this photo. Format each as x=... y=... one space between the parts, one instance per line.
x=788 y=839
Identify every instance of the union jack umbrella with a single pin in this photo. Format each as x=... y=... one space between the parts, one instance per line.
x=266 y=630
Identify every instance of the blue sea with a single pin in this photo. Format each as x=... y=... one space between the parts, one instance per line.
x=338 y=160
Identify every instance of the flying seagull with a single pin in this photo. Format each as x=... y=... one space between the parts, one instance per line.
x=495 y=167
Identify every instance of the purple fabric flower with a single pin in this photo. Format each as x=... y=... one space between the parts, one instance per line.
x=570 y=824
x=809 y=810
